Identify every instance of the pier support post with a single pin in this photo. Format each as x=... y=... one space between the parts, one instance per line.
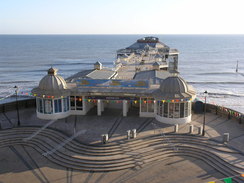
x=176 y=128
x=125 y=108
x=155 y=107
x=99 y=107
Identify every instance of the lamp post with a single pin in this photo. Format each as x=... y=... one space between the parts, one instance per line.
x=205 y=94
x=75 y=124
x=17 y=104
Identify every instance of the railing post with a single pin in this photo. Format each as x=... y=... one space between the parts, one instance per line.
x=104 y=138
x=133 y=135
x=200 y=129
x=176 y=128
x=191 y=130
x=226 y=137
x=228 y=115
x=128 y=134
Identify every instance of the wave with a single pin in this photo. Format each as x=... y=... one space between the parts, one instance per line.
x=222 y=93
x=11 y=82
x=216 y=82
x=82 y=63
x=220 y=73
x=58 y=64
x=211 y=94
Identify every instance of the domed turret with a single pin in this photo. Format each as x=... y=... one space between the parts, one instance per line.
x=174 y=84
x=174 y=98
x=52 y=81
x=52 y=96
x=174 y=87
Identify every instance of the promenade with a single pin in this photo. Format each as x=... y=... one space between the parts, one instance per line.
x=156 y=155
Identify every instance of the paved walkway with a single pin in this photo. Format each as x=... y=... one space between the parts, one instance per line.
x=28 y=165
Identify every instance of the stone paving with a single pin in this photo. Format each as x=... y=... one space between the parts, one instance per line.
x=24 y=164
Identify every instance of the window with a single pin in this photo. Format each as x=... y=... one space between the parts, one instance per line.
x=72 y=102
x=67 y=101
x=189 y=108
x=143 y=105
x=177 y=110
x=166 y=109
x=181 y=110
x=79 y=104
x=186 y=109
x=150 y=105
x=160 y=108
x=171 y=110
x=48 y=106
x=65 y=104
x=39 y=104
x=159 y=104
x=58 y=105
x=147 y=104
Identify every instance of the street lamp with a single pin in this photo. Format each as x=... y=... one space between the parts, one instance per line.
x=17 y=104
x=205 y=94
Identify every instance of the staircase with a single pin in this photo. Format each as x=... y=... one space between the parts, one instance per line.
x=124 y=154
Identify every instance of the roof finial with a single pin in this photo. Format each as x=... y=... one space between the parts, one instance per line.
x=174 y=73
x=52 y=71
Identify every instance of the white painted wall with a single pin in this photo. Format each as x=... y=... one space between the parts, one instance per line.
x=53 y=116
x=173 y=120
x=147 y=114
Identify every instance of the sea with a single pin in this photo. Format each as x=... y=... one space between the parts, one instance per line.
x=208 y=62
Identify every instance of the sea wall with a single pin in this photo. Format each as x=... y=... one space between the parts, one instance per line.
x=22 y=104
x=224 y=111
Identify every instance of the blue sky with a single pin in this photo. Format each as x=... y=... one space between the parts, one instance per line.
x=121 y=16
